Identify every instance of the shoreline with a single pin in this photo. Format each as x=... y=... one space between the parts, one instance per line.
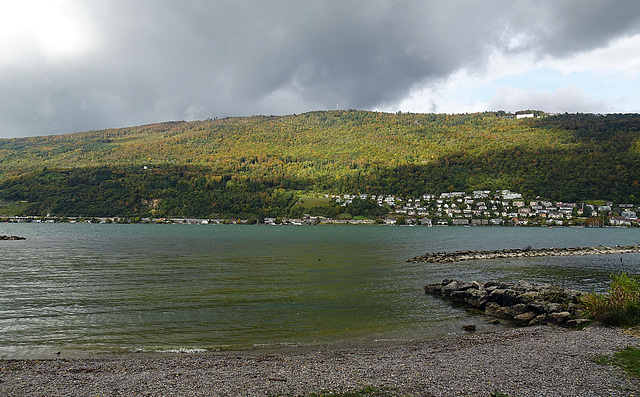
x=533 y=361
x=460 y=256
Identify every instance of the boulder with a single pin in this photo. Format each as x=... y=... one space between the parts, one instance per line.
x=433 y=289
x=477 y=285
x=538 y=306
x=558 y=318
x=519 y=308
x=495 y=310
x=477 y=298
x=503 y=296
x=525 y=318
x=553 y=307
x=469 y=327
x=521 y=302
x=496 y=284
x=457 y=296
x=523 y=286
x=452 y=286
x=529 y=296
x=578 y=323
x=466 y=286
x=539 y=320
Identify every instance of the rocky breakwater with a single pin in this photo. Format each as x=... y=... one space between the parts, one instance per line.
x=12 y=238
x=518 y=303
x=459 y=256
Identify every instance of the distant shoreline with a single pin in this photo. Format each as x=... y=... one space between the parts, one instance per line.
x=286 y=222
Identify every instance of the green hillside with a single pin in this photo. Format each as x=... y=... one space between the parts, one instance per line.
x=256 y=166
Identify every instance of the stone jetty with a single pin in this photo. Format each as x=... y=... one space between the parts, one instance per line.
x=12 y=238
x=459 y=256
x=519 y=303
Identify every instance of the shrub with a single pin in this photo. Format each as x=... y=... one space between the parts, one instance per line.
x=619 y=305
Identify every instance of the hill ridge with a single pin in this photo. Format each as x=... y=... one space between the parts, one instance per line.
x=562 y=157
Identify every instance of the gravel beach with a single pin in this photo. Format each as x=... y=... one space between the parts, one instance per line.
x=533 y=361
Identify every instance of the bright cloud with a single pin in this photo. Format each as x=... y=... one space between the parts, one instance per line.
x=74 y=65
x=602 y=80
x=564 y=99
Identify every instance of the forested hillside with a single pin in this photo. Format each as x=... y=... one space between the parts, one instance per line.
x=257 y=166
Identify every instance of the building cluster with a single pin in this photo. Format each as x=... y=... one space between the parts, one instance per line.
x=501 y=207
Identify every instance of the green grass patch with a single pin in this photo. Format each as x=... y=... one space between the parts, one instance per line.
x=366 y=391
x=310 y=202
x=372 y=391
x=15 y=208
x=360 y=218
x=344 y=216
x=619 y=305
x=596 y=202
x=627 y=359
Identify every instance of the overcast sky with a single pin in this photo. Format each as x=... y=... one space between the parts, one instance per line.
x=77 y=65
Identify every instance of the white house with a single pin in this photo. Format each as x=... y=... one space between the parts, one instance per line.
x=524 y=116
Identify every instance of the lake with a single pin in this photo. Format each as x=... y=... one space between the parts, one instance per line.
x=85 y=289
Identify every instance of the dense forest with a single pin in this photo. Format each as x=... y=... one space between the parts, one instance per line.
x=259 y=166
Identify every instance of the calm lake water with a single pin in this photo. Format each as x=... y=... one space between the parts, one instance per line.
x=83 y=289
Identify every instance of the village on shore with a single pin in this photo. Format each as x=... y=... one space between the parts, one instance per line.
x=480 y=208
x=501 y=208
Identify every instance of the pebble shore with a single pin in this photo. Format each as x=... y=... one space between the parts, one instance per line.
x=533 y=361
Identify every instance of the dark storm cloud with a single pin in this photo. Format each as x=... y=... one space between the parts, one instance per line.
x=162 y=60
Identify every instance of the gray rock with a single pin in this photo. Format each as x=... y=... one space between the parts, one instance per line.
x=519 y=308
x=458 y=296
x=496 y=284
x=469 y=327
x=538 y=306
x=433 y=289
x=452 y=286
x=467 y=286
x=578 y=323
x=495 y=310
x=522 y=302
x=523 y=285
x=476 y=298
x=540 y=319
x=525 y=318
x=503 y=297
x=558 y=318
x=529 y=296
x=3 y=237
x=553 y=307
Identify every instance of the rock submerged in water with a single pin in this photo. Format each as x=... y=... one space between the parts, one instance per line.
x=520 y=303
x=469 y=327
x=12 y=238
